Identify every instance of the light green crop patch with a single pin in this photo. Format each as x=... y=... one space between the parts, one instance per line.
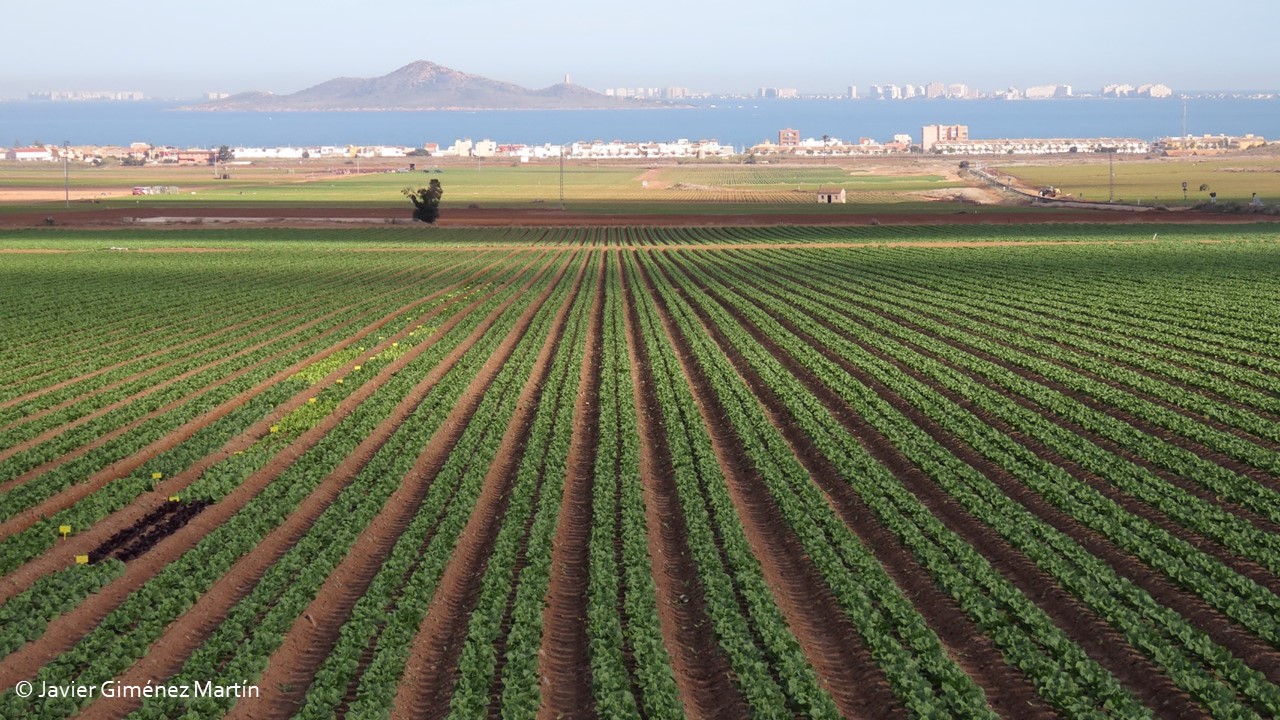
x=308 y=415
x=319 y=370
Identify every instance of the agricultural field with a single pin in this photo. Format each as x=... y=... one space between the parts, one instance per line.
x=1017 y=471
x=604 y=188
x=1157 y=181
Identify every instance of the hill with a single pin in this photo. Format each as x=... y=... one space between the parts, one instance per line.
x=424 y=85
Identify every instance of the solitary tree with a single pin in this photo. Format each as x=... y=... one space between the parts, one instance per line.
x=426 y=201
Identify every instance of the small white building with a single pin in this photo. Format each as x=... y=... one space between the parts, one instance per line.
x=32 y=154
x=829 y=195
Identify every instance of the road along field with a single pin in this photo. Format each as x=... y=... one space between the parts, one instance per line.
x=866 y=472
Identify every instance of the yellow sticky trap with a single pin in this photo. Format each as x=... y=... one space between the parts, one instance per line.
x=311 y=401
x=156 y=476
x=275 y=428
x=65 y=530
x=339 y=381
x=356 y=367
x=82 y=559
x=174 y=498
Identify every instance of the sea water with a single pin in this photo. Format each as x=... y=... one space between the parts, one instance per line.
x=737 y=122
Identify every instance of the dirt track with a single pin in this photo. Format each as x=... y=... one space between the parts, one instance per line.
x=285 y=216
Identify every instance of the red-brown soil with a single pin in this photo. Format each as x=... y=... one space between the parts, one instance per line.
x=286 y=216
x=1008 y=692
x=565 y=664
x=294 y=663
x=431 y=669
x=831 y=643
x=700 y=667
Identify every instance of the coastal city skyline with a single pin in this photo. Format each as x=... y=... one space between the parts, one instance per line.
x=932 y=90
x=168 y=50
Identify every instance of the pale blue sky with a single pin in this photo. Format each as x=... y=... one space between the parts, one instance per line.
x=182 y=48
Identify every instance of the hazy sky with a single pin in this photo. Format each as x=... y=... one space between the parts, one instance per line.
x=181 y=48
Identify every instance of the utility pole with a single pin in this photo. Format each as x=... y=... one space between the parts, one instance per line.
x=66 y=172
x=1111 y=163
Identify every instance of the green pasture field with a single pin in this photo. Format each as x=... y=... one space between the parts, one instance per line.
x=1158 y=181
x=588 y=186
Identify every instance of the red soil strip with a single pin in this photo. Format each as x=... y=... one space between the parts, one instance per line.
x=564 y=660
x=700 y=667
x=1008 y=692
x=832 y=644
x=166 y=655
x=313 y=634
x=285 y=216
x=431 y=669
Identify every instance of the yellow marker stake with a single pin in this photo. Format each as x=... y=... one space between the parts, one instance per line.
x=82 y=559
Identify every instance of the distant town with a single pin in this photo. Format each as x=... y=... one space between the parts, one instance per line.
x=933 y=140
x=935 y=90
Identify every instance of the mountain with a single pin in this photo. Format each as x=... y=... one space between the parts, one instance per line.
x=424 y=85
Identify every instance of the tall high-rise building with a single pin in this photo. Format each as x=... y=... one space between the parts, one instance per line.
x=853 y=92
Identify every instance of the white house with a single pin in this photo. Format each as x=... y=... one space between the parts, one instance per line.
x=828 y=195
x=32 y=154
